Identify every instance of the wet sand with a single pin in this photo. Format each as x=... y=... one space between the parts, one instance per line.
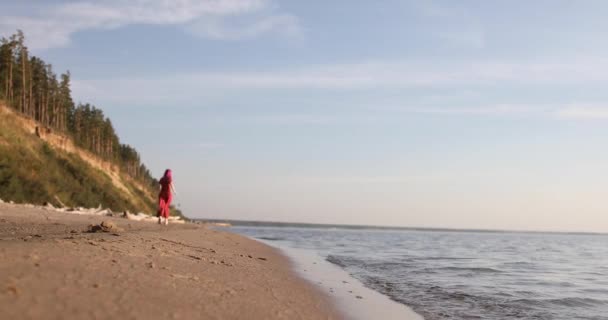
x=353 y=298
x=51 y=267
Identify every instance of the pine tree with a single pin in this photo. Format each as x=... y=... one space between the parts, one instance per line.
x=29 y=85
x=66 y=102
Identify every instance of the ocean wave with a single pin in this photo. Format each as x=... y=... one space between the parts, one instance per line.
x=565 y=302
x=272 y=238
x=336 y=260
x=519 y=264
x=436 y=302
x=464 y=281
x=367 y=264
x=471 y=269
x=441 y=258
x=596 y=290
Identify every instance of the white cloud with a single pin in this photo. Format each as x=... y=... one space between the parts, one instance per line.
x=209 y=145
x=288 y=119
x=594 y=112
x=468 y=38
x=385 y=75
x=498 y=109
x=430 y=8
x=226 y=29
x=452 y=24
x=583 y=111
x=580 y=111
x=53 y=26
x=469 y=78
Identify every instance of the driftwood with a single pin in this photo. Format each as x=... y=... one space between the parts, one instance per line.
x=59 y=201
x=99 y=211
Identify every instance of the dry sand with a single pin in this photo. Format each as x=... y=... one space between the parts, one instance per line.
x=52 y=268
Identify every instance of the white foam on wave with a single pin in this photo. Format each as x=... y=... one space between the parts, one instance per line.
x=354 y=299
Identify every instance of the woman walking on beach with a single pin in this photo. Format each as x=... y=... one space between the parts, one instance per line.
x=165 y=196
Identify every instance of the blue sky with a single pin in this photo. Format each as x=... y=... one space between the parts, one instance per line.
x=474 y=114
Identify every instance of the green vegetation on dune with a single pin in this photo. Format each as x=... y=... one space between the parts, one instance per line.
x=32 y=171
x=30 y=87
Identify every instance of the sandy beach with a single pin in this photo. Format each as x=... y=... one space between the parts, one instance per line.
x=53 y=267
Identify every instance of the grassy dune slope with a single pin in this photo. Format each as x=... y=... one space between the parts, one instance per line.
x=34 y=171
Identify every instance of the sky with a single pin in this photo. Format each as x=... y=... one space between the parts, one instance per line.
x=453 y=114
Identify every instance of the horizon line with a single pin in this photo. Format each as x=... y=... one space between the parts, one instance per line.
x=385 y=227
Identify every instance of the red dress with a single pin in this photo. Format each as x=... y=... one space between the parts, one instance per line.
x=164 y=197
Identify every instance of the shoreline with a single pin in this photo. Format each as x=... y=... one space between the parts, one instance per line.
x=53 y=267
x=352 y=298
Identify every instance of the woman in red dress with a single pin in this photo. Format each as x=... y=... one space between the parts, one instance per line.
x=165 y=197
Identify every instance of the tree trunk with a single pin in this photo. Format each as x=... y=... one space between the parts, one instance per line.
x=23 y=83
x=10 y=80
x=30 y=102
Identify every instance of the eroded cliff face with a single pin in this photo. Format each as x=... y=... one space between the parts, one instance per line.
x=39 y=165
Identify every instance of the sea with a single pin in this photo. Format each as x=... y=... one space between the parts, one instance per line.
x=463 y=274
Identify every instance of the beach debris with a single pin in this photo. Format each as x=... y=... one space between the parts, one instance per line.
x=148 y=218
x=12 y=289
x=109 y=226
x=185 y=277
x=61 y=204
x=104 y=226
x=262 y=258
x=226 y=263
x=220 y=224
x=138 y=216
x=359 y=297
x=85 y=211
x=151 y=265
x=109 y=213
